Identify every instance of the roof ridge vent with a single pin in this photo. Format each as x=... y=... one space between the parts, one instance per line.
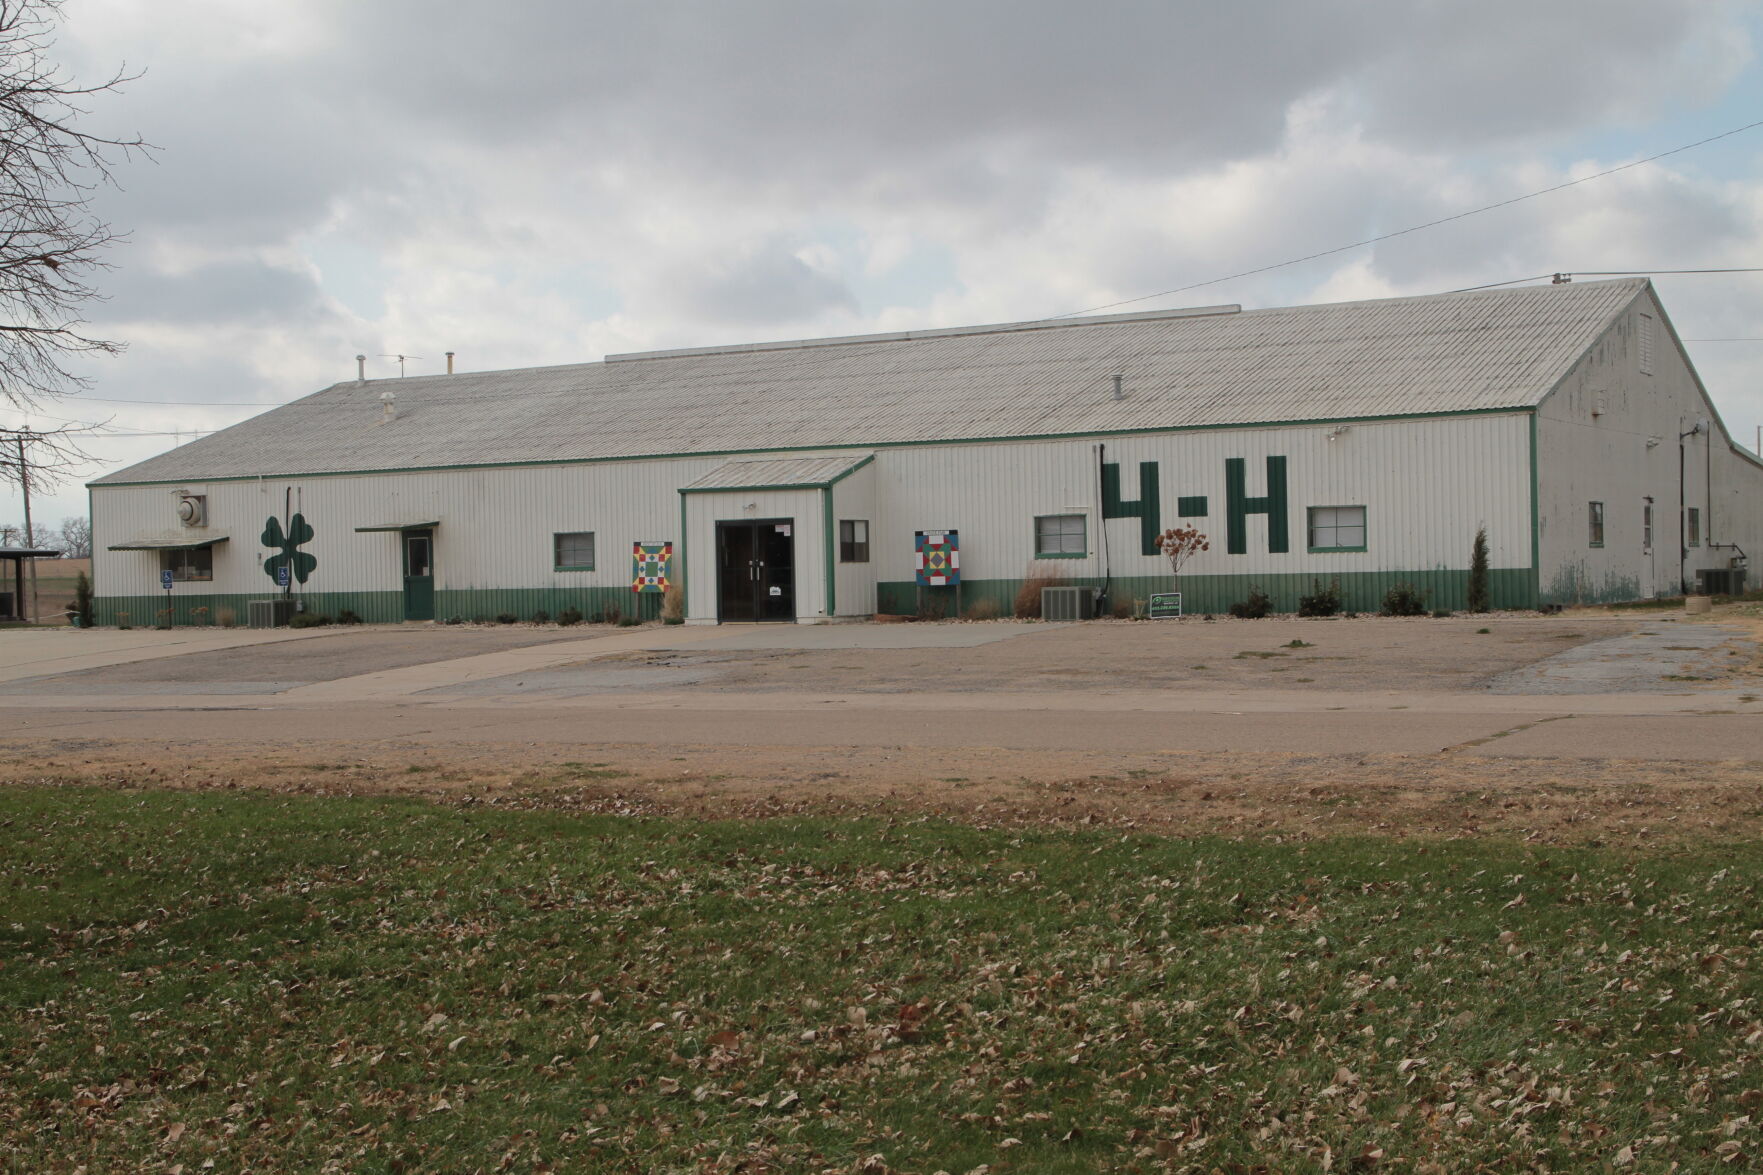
x=948 y=332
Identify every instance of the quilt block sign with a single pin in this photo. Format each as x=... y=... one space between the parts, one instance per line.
x=938 y=557
x=651 y=563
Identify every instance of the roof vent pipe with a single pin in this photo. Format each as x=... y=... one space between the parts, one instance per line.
x=388 y=406
x=361 y=369
x=1118 y=394
x=449 y=363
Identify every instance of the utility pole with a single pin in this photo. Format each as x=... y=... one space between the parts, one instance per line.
x=24 y=487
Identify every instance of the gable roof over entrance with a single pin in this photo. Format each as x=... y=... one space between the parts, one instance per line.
x=1481 y=351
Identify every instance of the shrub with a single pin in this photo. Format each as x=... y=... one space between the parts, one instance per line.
x=122 y=620
x=1441 y=613
x=541 y=617
x=227 y=617
x=309 y=620
x=163 y=619
x=1322 y=601
x=199 y=616
x=1125 y=608
x=1478 y=571
x=1253 y=608
x=932 y=608
x=612 y=615
x=673 y=620
x=984 y=609
x=82 y=601
x=673 y=604
x=1404 y=599
x=630 y=622
x=569 y=616
x=506 y=618
x=1028 y=596
x=347 y=616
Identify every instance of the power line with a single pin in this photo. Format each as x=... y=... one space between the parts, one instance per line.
x=1418 y=227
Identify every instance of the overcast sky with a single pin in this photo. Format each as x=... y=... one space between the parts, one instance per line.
x=547 y=181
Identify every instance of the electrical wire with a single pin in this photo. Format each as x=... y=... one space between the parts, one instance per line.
x=1418 y=227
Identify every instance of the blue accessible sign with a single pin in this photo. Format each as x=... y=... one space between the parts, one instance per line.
x=165 y=579
x=281 y=575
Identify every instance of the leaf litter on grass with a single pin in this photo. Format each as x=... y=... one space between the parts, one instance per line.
x=289 y=983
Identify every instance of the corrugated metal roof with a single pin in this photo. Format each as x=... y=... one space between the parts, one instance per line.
x=1489 y=349
x=779 y=472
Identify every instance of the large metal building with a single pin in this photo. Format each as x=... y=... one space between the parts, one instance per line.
x=806 y=481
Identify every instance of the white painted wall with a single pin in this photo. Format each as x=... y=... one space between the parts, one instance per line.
x=854 y=498
x=1610 y=432
x=805 y=511
x=1426 y=485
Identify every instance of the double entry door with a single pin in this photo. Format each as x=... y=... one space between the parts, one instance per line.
x=756 y=569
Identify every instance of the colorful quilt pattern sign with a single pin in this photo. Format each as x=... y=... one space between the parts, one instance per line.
x=651 y=564
x=938 y=558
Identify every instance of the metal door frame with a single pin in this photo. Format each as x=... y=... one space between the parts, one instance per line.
x=754 y=566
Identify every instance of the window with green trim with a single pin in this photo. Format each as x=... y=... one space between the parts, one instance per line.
x=1595 y=523
x=573 y=551
x=1647 y=527
x=1061 y=536
x=1337 y=528
x=853 y=540
x=1694 y=526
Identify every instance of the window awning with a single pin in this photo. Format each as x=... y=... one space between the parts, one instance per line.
x=28 y=553
x=429 y=525
x=169 y=542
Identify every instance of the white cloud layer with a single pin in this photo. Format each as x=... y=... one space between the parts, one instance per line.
x=546 y=181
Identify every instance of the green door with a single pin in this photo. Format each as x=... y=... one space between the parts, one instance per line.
x=419 y=574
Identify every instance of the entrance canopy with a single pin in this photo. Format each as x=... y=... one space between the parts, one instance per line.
x=169 y=542
x=379 y=526
x=787 y=473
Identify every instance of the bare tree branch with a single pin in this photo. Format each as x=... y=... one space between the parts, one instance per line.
x=51 y=456
x=51 y=244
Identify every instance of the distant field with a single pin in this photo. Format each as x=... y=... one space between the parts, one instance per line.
x=55 y=580
x=297 y=983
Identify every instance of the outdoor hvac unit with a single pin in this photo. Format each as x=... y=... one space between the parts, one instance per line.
x=270 y=613
x=1068 y=603
x=193 y=509
x=1721 y=581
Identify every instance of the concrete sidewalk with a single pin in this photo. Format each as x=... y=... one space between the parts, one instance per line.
x=43 y=652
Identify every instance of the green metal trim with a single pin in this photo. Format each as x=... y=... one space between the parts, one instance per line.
x=1536 y=528
x=1510 y=410
x=191 y=545
x=841 y=477
x=788 y=485
x=1084 y=554
x=588 y=567
x=1310 y=525
x=397 y=526
x=685 y=597
x=826 y=549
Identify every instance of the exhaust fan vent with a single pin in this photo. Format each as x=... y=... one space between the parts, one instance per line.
x=193 y=509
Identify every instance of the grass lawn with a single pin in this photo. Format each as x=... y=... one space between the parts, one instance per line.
x=231 y=980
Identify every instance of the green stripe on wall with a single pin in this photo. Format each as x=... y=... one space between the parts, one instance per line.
x=384 y=607
x=1361 y=591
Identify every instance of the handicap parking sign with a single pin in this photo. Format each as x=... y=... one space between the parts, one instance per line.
x=281 y=576
x=165 y=579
